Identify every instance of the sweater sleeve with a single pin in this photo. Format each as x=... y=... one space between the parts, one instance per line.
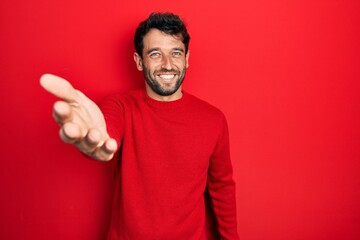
x=221 y=186
x=113 y=111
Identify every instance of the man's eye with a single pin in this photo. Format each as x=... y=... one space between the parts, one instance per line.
x=176 y=54
x=155 y=54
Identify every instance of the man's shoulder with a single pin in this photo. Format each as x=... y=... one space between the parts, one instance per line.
x=121 y=101
x=206 y=115
x=126 y=96
x=203 y=105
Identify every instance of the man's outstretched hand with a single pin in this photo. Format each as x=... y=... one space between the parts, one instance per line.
x=81 y=121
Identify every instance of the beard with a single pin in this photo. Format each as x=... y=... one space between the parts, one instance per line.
x=166 y=89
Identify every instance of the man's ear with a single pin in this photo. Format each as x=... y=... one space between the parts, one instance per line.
x=138 y=61
x=187 y=59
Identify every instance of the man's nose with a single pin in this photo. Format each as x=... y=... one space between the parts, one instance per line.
x=166 y=63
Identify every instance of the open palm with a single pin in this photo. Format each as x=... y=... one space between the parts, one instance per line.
x=81 y=121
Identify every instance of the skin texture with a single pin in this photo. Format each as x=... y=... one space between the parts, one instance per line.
x=81 y=121
x=164 y=63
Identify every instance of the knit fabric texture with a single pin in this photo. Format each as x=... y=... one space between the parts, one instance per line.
x=169 y=154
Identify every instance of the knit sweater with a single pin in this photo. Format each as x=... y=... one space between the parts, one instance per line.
x=170 y=152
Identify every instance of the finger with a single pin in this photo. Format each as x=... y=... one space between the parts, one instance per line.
x=106 y=151
x=71 y=133
x=62 y=112
x=58 y=87
x=110 y=146
x=91 y=142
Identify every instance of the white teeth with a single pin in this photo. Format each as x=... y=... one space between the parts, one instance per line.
x=167 y=76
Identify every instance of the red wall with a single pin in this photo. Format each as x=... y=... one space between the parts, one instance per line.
x=285 y=73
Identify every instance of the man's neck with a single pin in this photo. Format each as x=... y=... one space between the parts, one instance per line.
x=173 y=97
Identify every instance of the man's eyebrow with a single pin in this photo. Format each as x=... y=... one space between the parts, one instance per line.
x=152 y=50
x=179 y=49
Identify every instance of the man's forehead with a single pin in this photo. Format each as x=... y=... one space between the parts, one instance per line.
x=158 y=39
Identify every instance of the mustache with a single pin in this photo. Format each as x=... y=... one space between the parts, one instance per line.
x=163 y=70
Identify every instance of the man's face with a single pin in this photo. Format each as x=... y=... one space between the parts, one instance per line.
x=164 y=63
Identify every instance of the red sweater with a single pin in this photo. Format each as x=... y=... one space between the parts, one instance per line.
x=169 y=152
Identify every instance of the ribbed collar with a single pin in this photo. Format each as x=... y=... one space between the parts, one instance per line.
x=167 y=105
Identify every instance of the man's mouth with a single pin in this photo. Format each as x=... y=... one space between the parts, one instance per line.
x=166 y=76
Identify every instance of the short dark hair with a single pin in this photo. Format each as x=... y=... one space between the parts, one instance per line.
x=168 y=23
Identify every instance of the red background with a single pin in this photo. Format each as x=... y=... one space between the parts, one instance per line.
x=285 y=73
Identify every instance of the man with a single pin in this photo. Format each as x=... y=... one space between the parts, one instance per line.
x=172 y=146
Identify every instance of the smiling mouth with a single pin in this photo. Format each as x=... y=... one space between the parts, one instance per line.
x=166 y=76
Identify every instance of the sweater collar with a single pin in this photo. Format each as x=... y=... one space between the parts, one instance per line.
x=167 y=105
